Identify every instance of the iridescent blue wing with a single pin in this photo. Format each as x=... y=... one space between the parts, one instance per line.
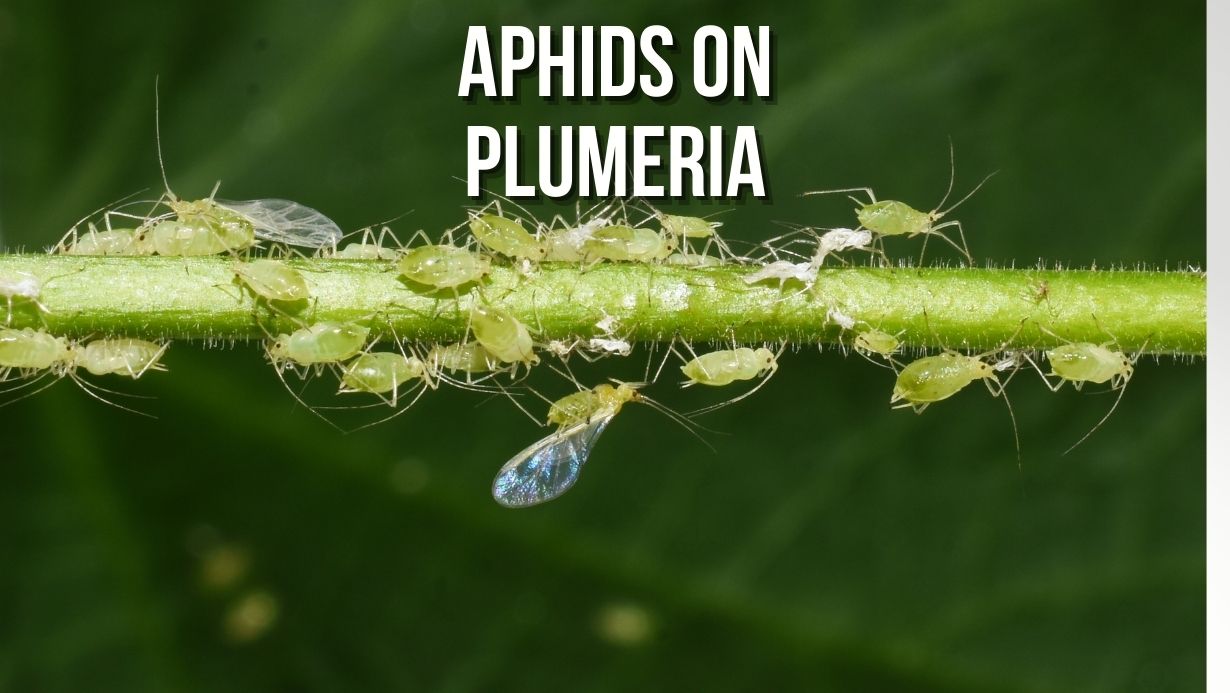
x=546 y=469
x=283 y=221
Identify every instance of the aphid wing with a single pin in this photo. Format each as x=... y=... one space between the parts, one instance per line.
x=284 y=221
x=548 y=468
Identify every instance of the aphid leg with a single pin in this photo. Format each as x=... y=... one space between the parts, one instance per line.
x=996 y=389
x=963 y=248
x=1053 y=387
x=93 y=390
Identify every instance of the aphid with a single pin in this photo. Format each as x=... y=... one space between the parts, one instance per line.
x=871 y=341
x=895 y=218
x=366 y=251
x=383 y=373
x=273 y=280
x=627 y=244
x=209 y=226
x=120 y=356
x=443 y=266
x=683 y=229
x=548 y=468
x=322 y=343
x=37 y=354
x=723 y=367
x=840 y=318
x=28 y=349
x=568 y=244
x=1084 y=362
x=935 y=378
x=467 y=357
x=502 y=335
x=506 y=237
x=121 y=241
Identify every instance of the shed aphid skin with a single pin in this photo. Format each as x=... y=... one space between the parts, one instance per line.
x=273 y=280
x=895 y=218
x=565 y=241
x=1084 y=362
x=832 y=241
x=19 y=285
x=726 y=366
x=502 y=335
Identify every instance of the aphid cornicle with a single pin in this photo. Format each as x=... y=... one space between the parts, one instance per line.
x=502 y=335
x=506 y=237
x=320 y=343
x=272 y=280
x=443 y=266
x=549 y=467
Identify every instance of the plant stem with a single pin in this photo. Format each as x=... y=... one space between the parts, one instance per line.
x=970 y=309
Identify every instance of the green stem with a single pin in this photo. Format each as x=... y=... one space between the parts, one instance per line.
x=971 y=309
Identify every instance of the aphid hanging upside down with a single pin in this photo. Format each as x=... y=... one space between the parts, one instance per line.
x=319 y=344
x=502 y=335
x=548 y=468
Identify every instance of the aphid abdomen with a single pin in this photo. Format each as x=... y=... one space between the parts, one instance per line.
x=120 y=356
x=575 y=408
x=1085 y=362
x=724 y=367
x=443 y=266
x=876 y=342
x=935 y=378
x=273 y=280
x=470 y=357
x=686 y=227
x=502 y=335
x=31 y=349
x=627 y=244
x=324 y=342
x=506 y=237
x=366 y=251
x=381 y=371
x=113 y=242
x=893 y=218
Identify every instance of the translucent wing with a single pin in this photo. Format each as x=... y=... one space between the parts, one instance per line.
x=283 y=221
x=548 y=468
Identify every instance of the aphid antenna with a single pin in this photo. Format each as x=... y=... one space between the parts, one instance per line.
x=158 y=141
x=73 y=230
x=683 y=420
x=471 y=214
x=868 y=191
x=28 y=382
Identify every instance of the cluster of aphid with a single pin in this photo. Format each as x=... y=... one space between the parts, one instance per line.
x=496 y=342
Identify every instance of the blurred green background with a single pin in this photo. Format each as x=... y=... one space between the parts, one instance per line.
x=236 y=543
